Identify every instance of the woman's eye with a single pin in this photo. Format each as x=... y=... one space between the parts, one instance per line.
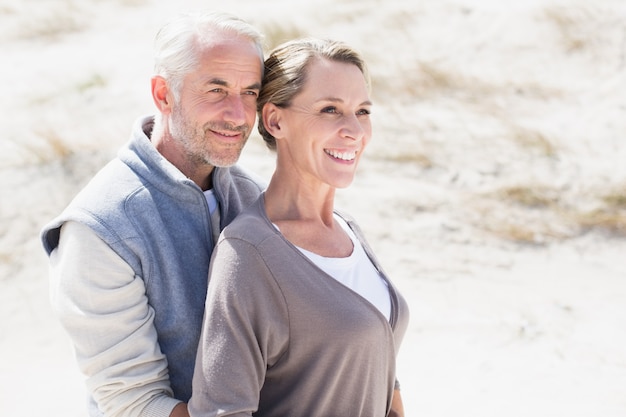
x=363 y=112
x=329 y=109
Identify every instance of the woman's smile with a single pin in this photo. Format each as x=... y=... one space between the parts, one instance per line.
x=344 y=156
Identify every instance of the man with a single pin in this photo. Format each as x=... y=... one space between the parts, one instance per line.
x=129 y=256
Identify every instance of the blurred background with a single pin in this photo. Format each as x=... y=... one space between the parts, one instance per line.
x=494 y=191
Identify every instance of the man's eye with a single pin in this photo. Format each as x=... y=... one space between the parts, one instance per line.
x=251 y=93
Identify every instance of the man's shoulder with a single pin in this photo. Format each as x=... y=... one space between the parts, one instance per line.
x=99 y=203
x=114 y=182
x=236 y=188
x=242 y=177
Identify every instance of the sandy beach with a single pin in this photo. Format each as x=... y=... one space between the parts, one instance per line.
x=494 y=190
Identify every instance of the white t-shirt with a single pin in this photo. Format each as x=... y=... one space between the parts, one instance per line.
x=210 y=198
x=356 y=272
x=214 y=213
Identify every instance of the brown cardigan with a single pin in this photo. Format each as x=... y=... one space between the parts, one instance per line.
x=282 y=338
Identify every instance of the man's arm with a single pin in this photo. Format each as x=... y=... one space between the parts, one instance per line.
x=103 y=307
x=397 y=407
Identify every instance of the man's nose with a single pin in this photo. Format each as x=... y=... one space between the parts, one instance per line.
x=235 y=109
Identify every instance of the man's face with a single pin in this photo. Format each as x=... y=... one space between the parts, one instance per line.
x=217 y=106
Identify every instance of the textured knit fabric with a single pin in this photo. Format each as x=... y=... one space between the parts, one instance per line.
x=157 y=220
x=282 y=338
x=102 y=305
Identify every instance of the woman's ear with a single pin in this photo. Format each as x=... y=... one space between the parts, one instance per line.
x=271 y=119
x=160 y=94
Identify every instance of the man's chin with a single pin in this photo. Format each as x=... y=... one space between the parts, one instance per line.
x=224 y=162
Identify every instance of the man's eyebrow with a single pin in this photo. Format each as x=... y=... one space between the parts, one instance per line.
x=255 y=86
x=223 y=83
x=216 y=81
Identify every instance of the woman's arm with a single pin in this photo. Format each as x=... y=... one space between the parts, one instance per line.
x=244 y=331
x=397 y=408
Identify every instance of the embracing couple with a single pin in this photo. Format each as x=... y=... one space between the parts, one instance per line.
x=190 y=287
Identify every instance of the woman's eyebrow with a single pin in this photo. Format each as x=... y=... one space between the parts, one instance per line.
x=339 y=100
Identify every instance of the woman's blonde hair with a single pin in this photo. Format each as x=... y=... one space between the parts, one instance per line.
x=286 y=72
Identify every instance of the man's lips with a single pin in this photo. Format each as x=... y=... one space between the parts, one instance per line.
x=229 y=134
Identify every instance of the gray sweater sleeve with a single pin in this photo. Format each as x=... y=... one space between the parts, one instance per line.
x=103 y=307
x=245 y=331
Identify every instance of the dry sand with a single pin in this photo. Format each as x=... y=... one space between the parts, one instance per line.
x=494 y=191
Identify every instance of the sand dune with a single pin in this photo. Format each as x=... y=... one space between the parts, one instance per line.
x=494 y=191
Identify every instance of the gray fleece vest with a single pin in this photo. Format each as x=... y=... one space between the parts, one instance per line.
x=158 y=221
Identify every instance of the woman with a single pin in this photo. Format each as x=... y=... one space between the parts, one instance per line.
x=300 y=320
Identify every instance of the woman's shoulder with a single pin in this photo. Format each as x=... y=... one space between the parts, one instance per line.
x=251 y=225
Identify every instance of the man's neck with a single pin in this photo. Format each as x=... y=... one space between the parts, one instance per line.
x=201 y=174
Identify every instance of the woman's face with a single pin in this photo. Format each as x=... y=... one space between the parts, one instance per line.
x=325 y=130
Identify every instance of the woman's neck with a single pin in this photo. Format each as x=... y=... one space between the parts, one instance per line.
x=290 y=199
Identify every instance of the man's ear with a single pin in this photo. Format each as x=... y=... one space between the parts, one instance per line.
x=271 y=117
x=161 y=94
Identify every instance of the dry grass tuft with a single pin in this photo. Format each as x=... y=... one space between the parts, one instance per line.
x=422 y=80
x=401 y=20
x=77 y=86
x=521 y=213
x=275 y=34
x=615 y=199
x=519 y=232
x=607 y=220
x=533 y=139
x=6 y=258
x=95 y=81
x=572 y=26
x=609 y=216
x=520 y=224
x=536 y=214
x=53 y=24
x=134 y=3
x=425 y=80
x=50 y=147
x=417 y=158
x=5 y=9
x=433 y=78
x=535 y=196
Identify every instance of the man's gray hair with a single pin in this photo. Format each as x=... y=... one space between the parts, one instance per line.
x=178 y=43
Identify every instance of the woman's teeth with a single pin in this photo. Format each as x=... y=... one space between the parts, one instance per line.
x=346 y=156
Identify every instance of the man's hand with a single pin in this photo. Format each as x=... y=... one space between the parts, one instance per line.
x=180 y=411
x=397 y=407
